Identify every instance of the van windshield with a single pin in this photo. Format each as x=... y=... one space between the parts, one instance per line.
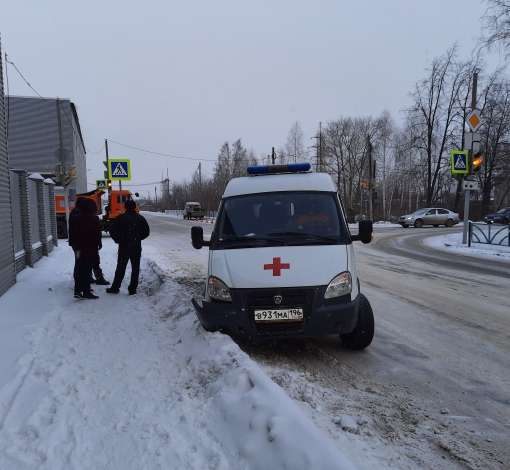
x=295 y=218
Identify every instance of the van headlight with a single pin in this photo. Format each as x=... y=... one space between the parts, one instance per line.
x=340 y=285
x=218 y=290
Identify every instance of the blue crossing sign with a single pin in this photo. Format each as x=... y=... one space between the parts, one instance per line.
x=460 y=161
x=101 y=184
x=119 y=169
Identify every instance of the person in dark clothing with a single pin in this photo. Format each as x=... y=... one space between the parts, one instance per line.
x=85 y=234
x=128 y=230
x=96 y=268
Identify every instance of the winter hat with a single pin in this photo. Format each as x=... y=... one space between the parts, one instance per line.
x=130 y=205
x=80 y=202
x=89 y=206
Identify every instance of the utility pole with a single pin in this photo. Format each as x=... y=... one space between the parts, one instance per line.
x=467 y=192
x=321 y=163
x=273 y=156
x=63 y=165
x=369 y=145
x=107 y=171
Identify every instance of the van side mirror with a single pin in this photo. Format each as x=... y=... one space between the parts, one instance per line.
x=365 y=231
x=197 y=238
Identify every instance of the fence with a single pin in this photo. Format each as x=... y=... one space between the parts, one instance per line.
x=33 y=217
x=489 y=234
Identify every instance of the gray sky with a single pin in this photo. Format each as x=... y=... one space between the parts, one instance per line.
x=183 y=77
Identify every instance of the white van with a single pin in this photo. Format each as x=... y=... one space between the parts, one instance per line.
x=281 y=260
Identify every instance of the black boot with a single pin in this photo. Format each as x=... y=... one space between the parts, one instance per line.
x=100 y=280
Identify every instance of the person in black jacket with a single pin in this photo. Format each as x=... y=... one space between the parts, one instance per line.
x=128 y=230
x=85 y=233
x=96 y=268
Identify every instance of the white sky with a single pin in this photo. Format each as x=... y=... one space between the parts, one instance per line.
x=181 y=78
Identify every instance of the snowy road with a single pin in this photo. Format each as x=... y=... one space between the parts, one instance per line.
x=434 y=383
x=131 y=382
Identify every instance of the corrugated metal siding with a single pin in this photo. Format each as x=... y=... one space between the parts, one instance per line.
x=7 y=270
x=34 y=139
x=16 y=213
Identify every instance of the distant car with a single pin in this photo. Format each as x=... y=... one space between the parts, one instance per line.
x=430 y=216
x=500 y=217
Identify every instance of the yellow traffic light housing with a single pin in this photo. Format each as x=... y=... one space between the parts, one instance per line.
x=476 y=164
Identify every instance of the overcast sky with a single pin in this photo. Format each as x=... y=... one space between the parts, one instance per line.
x=183 y=77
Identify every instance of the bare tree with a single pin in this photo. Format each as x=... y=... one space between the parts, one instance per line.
x=294 y=148
x=496 y=23
x=433 y=116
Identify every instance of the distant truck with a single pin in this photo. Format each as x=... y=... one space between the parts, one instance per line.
x=112 y=209
x=193 y=210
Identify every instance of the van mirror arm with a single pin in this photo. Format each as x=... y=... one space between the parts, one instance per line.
x=365 y=231
x=197 y=238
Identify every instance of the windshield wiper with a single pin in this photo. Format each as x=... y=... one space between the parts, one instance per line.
x=301 y=235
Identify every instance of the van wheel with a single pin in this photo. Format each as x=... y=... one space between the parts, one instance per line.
x=363 y=332
x=61 y=229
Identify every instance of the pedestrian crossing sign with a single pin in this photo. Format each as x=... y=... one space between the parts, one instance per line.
x=102 y=184
x=460 y=161
x=119 y=169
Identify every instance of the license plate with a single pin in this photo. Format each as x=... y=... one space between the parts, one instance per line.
x=285 y=314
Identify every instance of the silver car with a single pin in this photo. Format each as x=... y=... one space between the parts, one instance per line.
x=430 y=216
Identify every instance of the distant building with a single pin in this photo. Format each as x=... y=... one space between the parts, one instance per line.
x=33 y=137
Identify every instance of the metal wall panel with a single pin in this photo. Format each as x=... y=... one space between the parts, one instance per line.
x=34 y=138
x=16 y=213
x=34 y=214
x=7 y=269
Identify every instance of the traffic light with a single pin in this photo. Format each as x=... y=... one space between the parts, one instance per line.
x=109 y=184
x=364 y=184
x=476 y=163
x=56 y=175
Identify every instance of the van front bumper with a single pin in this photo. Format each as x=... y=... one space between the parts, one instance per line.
x=321 y=316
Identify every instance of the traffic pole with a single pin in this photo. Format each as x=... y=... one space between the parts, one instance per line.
x=467 y=192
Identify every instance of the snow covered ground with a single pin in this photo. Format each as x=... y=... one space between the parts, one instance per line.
x=131 y=382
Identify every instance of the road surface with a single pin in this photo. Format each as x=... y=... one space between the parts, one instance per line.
x=434 y=383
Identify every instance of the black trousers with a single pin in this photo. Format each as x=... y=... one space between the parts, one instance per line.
x=122 y=260
x=83 y=273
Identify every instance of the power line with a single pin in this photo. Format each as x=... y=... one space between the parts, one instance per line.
x=162 y=154
x=21 y=75
x=44 y=99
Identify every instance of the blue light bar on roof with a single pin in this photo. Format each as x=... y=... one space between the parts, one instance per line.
x=290 y=168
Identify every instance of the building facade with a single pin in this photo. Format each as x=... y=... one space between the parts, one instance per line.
x=34 y=137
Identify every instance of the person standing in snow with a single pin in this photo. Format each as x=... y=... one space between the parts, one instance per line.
x=96 y=268
x=85 y=236
x=128 y=230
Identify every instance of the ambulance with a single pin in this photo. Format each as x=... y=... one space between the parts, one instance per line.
x=281 y=260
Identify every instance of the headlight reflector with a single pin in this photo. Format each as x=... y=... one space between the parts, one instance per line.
x=340 y=285
x=218 y=290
